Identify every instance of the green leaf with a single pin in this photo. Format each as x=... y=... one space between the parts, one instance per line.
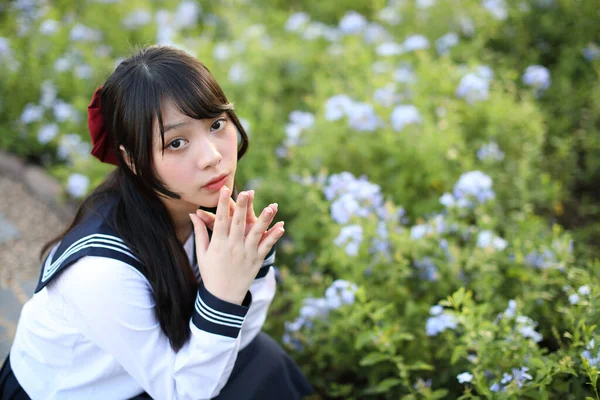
x=537 y=363
x=420 y=365
x=363 y=339
x=373 y=358
x=439 y=394
x=387 y=384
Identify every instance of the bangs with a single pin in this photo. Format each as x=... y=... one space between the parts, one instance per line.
x=193 y=91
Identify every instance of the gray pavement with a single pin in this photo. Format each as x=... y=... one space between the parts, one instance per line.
x=30 y=215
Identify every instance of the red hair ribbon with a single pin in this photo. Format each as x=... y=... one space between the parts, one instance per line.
x=102 y=149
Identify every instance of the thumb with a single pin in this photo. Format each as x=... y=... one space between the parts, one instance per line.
x=201 y=235
x=207 y=218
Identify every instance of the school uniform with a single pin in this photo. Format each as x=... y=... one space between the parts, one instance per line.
x=90 y=332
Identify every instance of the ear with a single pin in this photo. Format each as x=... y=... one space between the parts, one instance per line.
x=125 y=156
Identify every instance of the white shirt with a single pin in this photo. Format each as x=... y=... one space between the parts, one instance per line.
x=92 y=333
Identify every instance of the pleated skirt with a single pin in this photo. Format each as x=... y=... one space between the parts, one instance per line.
x=262 y=371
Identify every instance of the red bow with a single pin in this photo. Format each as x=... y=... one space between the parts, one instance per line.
x=102 y=149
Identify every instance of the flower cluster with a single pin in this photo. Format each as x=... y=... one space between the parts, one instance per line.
x=475 y=86
x=299 y=121
x=490 y=151
x=339 y=293
x=361 y=116
x=538 y=77
x=472 y=188
x=439 y=321
x=352 y=196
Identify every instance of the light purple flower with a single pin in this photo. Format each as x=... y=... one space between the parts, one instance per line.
x=187 y=13
x=427 y=269
x=490 y=151
x=297 y=21
x=386 y=96
x=511 y=309
x=49 y=27
x=351 y=236
x=537 y=76
x=31 y=113
x=77 y=185
x=387 y=49
x=419 y=231
x=47 y=133
x=473 y=88
x=447 y=200
x=415 y=42
x=362 y=117
x=337 y=107
x=591 y=52
x=425 y=3
x=465 y=377
x=136 y=18
x=339 y=293
x=526 y=327
x=584 y=290
x=404 y=74
x=353 y=23
x=405 y=115
x=439 y=323
x=65 y=111
x=474 y=185
x=574 y=298
x=497 y=8
x=82 y=33
x=446 y=42
x=375 y=33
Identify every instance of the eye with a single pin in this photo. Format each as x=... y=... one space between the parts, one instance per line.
x=176 y=144
x=218 y=124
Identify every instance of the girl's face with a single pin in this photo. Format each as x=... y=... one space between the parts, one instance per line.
x=195 y=153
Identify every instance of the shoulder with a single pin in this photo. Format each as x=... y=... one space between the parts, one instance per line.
x=94 y=278
x=93 y=237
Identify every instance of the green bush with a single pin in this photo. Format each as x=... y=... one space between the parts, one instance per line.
x=372 y=124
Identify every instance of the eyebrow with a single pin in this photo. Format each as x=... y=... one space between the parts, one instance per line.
x=174 y=126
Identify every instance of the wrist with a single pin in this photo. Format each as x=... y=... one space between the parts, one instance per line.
x=225 y=295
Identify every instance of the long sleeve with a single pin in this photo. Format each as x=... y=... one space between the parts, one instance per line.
x=112 y=305
x=263 y=291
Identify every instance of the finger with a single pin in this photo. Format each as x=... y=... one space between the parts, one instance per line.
x=221 y=226
x=201 y=236
x=207 y=218
x=261 y=225
x=238 y=223
x=250 y=216
x=269 y=240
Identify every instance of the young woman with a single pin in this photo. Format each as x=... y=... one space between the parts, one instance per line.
x=161 y=285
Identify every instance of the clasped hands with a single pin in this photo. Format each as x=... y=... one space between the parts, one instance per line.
x=240 y=241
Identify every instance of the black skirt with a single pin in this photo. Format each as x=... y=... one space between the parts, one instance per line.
x=262 y=371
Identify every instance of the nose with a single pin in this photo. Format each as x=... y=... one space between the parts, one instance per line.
x=208 y=154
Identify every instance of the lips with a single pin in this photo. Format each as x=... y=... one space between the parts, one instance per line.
x=215 y=180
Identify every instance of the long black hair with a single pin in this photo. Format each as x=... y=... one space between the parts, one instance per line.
x=131 y=102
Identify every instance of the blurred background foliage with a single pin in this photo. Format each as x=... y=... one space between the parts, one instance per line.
x=475 y=128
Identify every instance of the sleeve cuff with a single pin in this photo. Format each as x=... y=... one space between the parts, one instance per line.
x=267 y=264
x=216 y=316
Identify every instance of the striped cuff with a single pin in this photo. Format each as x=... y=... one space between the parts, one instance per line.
x=217 y=316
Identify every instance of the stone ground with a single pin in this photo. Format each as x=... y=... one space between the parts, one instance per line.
x=28 y=218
